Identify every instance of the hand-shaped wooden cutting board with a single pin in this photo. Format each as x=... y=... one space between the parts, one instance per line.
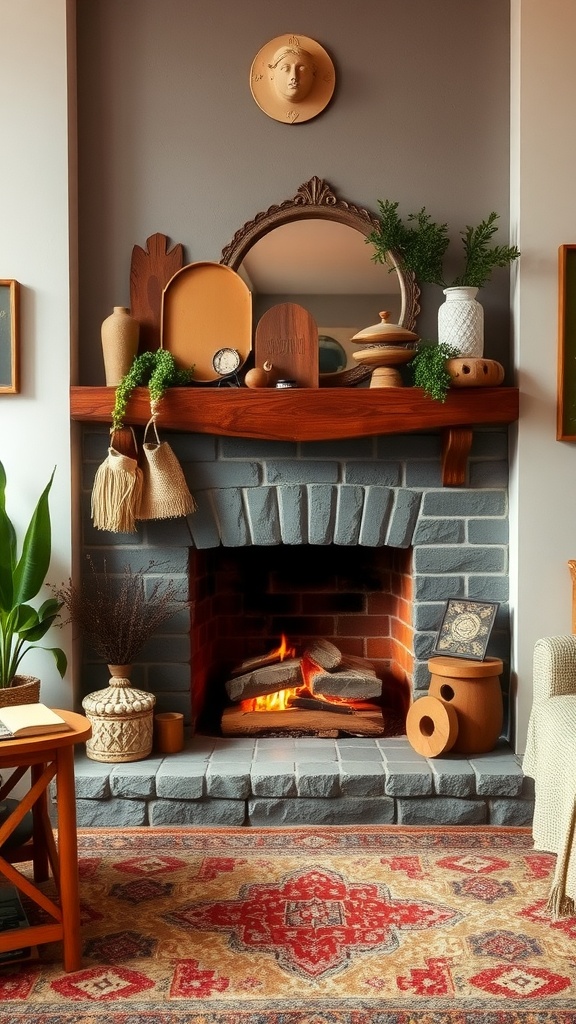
x=150 y=271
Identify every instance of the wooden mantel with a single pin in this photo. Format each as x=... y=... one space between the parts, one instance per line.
x=315 y=414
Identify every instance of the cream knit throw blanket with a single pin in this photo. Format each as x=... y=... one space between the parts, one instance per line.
x=550 y=760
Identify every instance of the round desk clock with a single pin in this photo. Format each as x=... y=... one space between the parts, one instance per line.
x=226 y=362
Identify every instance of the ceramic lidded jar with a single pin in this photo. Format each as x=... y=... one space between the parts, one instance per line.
x=385 y=333
x=122 y=720
x=120 y=333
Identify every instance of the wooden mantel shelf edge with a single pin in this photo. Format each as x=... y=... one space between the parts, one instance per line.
x=311 y=414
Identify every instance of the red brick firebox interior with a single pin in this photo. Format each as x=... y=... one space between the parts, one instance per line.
x=244 y=599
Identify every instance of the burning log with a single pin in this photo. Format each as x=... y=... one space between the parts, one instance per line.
x=262 y=681
x=349 y=685
x=325 y=654
x=355 y=662
x=312 y=704
x=299 y=722
x=280 y=653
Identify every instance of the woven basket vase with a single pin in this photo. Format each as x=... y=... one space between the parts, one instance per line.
x=24 y=690
x=122 y=720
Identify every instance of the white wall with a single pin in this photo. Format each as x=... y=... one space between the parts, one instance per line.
x=544 y=208
x=34 y=249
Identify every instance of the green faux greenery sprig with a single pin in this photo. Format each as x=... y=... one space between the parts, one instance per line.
x=421 y=245
x=156 y=369
x=429 y=368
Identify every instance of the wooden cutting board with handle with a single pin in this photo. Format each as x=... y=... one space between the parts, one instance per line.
x=287 y=337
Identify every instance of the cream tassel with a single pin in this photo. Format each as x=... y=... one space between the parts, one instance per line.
x=116 y=493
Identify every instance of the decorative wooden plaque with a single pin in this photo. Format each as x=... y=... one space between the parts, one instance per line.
x=287 y=336
x=150 y=271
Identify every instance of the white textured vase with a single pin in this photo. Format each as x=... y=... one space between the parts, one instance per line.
x=461 y=321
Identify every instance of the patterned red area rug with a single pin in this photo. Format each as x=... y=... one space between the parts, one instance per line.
x=387 y=925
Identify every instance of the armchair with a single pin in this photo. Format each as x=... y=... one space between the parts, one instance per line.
x=550 y=759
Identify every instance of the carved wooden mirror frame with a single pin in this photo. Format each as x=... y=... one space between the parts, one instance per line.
x=315 y=199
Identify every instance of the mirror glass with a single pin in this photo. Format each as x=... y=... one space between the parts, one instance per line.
x=312 y=250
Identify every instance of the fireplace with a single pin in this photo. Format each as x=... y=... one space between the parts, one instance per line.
x=369 y=506
x=345 y=615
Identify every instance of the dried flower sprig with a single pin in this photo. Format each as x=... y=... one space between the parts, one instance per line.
x=117 y=614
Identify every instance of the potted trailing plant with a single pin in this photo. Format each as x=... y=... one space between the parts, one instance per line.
x=430 y=370
x=421 y=244
x=156 y=369
x=22 y=575
x=116 y=614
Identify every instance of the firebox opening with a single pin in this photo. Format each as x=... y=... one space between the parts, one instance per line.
x=355 y=599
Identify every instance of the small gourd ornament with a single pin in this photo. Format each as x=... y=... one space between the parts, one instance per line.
x=259 y=376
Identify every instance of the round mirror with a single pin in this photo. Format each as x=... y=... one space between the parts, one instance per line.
x=312 y=250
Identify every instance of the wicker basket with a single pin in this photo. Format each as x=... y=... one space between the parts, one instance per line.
x=122 y=720
x=24 y=690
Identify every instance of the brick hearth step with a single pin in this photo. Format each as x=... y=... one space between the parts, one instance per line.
x=300 y=781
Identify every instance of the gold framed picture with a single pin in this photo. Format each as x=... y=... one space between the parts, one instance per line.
x=9 y=338
x=465 y=628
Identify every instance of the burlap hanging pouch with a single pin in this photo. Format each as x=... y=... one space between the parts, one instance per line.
x=117 y=492
x=165 y=493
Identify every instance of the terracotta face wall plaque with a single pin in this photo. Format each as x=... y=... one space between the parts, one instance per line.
x=292 y=78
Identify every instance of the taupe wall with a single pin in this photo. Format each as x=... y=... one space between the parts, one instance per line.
x=171 y=140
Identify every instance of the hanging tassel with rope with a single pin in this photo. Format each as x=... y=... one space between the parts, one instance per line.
x=117 y=494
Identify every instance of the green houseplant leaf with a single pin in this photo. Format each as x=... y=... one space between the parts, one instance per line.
x=21 y=578
x=421 y=245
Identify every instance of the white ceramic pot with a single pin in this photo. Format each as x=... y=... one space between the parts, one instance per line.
x=461 y=321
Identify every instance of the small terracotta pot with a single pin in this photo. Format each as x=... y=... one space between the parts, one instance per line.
x=168 y=732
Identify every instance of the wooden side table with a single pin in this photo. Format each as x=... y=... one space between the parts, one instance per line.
x=48 y=757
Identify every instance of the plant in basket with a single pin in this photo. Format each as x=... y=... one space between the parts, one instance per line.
x=22 y=576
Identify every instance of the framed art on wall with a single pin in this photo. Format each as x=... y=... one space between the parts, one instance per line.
x=465 y=628
x=566 y=401
x=9 y=338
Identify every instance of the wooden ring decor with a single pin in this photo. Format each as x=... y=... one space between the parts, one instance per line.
x=292 y=78
x=431 y=726
x=474 y=373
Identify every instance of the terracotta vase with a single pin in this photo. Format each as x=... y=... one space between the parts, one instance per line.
x=119 y=333
x=472 y=689
x=122 y=719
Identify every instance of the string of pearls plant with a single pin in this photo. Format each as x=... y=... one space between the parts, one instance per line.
x=156 y=369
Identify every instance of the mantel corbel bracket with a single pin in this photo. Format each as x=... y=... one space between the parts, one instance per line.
x=456 y=445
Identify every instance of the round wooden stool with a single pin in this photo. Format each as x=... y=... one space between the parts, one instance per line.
x=472 y=689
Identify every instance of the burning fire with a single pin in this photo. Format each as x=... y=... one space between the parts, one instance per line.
x=282 y=700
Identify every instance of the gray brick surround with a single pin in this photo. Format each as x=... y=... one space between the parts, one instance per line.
x=368 y=491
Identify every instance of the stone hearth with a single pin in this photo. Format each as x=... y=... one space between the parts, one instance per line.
x=286 y=781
